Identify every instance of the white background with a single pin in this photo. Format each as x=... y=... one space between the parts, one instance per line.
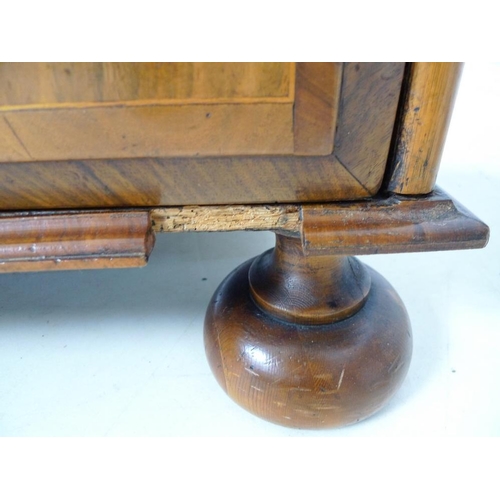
x=120 y=352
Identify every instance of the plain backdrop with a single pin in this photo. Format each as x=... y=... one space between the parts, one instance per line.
x=120 y=352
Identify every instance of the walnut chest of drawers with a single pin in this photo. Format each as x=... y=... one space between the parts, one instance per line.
x=337 y=159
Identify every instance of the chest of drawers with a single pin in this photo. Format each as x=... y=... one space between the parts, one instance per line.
x=337 y=159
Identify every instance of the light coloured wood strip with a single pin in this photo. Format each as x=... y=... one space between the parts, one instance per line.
x=35 y=83
x=147 y=102
x=425 y=117
x=317 y=94
x=293 y=81
x=281 y=218
x=147 y=131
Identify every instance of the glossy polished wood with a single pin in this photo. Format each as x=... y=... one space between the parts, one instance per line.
x=304 y=375
x=64 y=111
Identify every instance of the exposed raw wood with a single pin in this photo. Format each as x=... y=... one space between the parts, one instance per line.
x=370 y=96
x=317 y=95
x=79 y=240
x=279 y=218
x=382 y=225
x=60 y=240
x=395 y=224
x=424 y=119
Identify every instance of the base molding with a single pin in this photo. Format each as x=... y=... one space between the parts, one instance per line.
x=74 y=240
x=91 y=239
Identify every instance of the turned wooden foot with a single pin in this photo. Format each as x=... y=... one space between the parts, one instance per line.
x=307 y=342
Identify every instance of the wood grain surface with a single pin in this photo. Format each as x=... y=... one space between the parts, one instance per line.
x=174 y=181
x=284 y=219
x=308 y=375
x=78 y=240
x=385 y=224
x=42 y=240
x=392 y=224
x=370 y=96
x=63 y=111
x=428 y=99
x=316 y=105
x=305 y=289
x=367 y=105
x=46 y=84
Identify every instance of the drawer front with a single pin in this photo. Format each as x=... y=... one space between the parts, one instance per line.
x=149 y=134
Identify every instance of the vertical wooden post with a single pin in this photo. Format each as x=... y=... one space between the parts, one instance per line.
x=424 y=119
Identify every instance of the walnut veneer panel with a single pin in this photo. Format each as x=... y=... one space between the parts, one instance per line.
x=71 y=111
x=333 y=144
x=82 y=111
x=66 y=83
x=173 y=181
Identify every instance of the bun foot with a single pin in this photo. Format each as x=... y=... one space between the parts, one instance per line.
x=307 y=342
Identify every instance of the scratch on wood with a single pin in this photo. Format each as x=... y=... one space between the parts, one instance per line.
x=340 y=379
x=14 y=133
x=252 y=372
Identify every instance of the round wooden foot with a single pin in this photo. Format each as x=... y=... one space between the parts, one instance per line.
x=307 y=342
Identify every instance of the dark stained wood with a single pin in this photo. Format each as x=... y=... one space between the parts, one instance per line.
x=392 y=224
x=317 y=95
x=307 y=376
x=370 y=96
x=85 y=240
x=424 y=118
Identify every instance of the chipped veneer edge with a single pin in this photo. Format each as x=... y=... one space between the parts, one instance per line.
x=285 y=219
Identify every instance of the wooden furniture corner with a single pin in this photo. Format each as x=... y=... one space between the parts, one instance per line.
x=337 y=159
